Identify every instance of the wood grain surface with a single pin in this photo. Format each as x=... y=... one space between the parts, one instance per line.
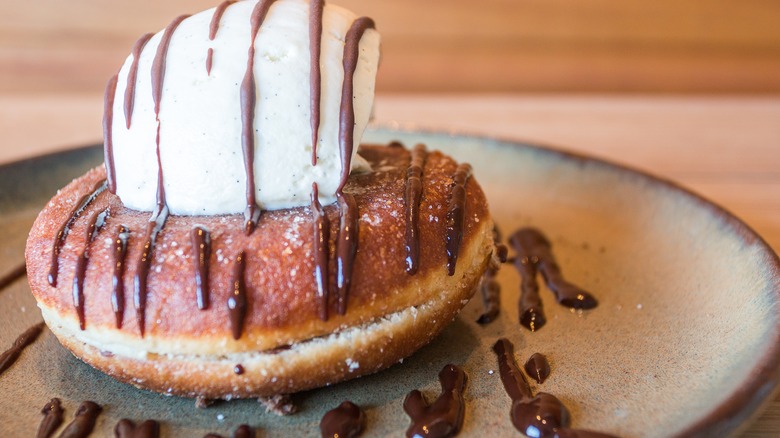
x=446 y=45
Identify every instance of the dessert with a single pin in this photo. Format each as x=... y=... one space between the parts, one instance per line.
x=238 y=242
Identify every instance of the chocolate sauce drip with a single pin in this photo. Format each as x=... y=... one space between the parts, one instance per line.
x=347 y=109
x=534 y=253
x=542 y=415
x=117 y=278
x=23 y=341
x=127 y=429
x=244 y=431
x=248 y=99
x=108 y=133
x=238 y=369
x=62 y=233
x=346 y=247
x=412 y=198
x=201 y=244
x=321 y=256
x=213 y=28
x=455 y=216
x=443 y=418
x=52 y=418
x=140 y=286
x=237 y=302
x=489 y=288
x=13 y=275
x=316 y=9
x=345 y=421
x=83 y=422
x=96 y=222
x=158 y=65
x=132 y=75
x=537 y=367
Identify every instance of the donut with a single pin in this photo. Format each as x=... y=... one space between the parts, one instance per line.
x=209 y=310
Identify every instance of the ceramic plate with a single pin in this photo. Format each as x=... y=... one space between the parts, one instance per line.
x=685 y=340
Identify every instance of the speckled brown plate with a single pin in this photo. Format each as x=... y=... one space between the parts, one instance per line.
x=685 y=341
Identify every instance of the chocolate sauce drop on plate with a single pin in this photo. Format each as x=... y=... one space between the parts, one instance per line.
x=23 y=341
x=456 y=213
x=543 y=415
x=345 y=421
x=237 y=302
x=96 y=222
x=321 y=256
x=201 y=245
x=127 y=429
x=83 y=422
x=444 y=417
x=52 y=418
x=490 y=289
x=132 y=76
x=244 y=431
x=62 y=233
x=117 y=278
x=13 y=275
x=412 y=198
x=537 y=367
x=316 y=9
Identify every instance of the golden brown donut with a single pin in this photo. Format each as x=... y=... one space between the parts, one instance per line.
x=285 y=346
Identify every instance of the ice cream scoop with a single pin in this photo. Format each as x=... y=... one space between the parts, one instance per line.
x=222 y=108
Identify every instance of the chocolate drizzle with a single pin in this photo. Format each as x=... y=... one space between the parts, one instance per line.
x=540 y=416
x=108 y=133
x=489 y=288
x=213 y=28
x=83 y=422
x=316 y=9
x=237 y=302
x=96 y=222
x=127 y=429
x=346 y=247
x=412 y=198
x=345 y=421
x=534 y=253
x=537 y=367
x=456 y=212
x=23 y=341
x=201 y=244
x=14 y=274
x=52 y=418
x=321 y=256
x=443 y=418
x=117 y=278
x=62 y=233
x=132 y=75
x=248 y=99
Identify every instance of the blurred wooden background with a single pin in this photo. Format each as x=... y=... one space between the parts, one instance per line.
x=693 y=46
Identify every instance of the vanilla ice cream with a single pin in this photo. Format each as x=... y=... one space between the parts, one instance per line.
x=200 y=124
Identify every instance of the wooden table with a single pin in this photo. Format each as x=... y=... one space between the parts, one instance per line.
x=725 y=148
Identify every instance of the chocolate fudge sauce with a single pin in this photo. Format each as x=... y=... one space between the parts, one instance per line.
x=13 y=275
x=244 y=431
x=248 y=99
x=237 y=302
x=345 y=421
x=213 y=28
x=83 y=421
x=489 y=288
x=201 y=245
x=444 y=417
x=238 y=369
x=456 y=212
x=23 y=341
x=346 y=247
x=132 y=76
x=534 y=253
x=108 y=133
x=321 y=256
x=127 y=429
x=316 y=9
x=96 y=222
x=52 y=418
x=537 y=367
x=412 y=198
x=140 y=289
x=62 y=233
x=118 y=275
